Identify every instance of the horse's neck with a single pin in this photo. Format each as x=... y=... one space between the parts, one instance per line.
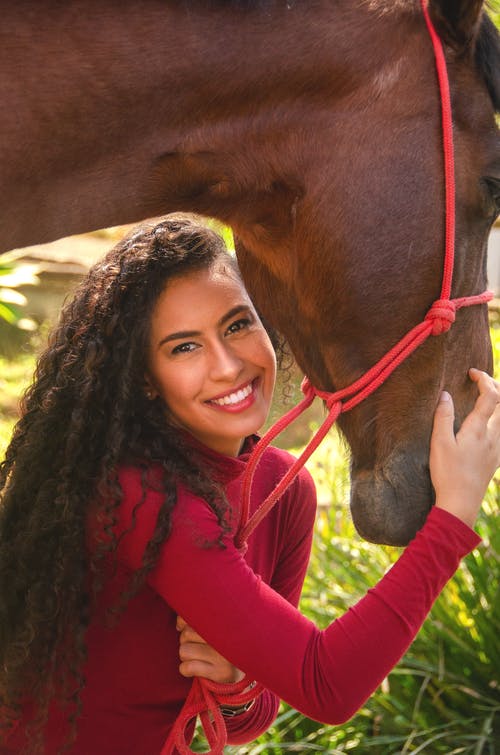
x=115 y=116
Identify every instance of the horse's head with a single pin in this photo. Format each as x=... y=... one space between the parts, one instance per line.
x=365 y=259
x=316 y=134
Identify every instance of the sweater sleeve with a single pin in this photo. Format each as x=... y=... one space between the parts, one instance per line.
x=287 y=580
x=328 y=674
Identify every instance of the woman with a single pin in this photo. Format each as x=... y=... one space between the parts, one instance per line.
x=119 y=577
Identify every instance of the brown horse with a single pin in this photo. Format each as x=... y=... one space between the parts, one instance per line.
x=313 y=129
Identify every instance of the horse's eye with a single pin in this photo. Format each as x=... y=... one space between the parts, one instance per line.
x=492 y=185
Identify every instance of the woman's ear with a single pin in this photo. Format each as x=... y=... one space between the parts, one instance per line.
x=149 y=390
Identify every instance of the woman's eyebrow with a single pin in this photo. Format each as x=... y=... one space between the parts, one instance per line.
x=194 y=333
x=234 y=311
x=180 y=334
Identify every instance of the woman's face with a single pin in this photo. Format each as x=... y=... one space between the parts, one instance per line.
x=210 y=358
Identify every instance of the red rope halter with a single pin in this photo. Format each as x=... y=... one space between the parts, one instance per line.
x=205 y=697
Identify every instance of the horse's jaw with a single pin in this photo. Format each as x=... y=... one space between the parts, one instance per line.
x=389 y=505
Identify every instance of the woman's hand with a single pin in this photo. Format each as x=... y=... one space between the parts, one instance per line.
x=200 y=659
x=462 y=465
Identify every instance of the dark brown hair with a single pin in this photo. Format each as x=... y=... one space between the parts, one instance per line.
x=85 y=413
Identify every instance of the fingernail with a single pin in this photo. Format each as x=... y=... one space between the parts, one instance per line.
x=445 y=396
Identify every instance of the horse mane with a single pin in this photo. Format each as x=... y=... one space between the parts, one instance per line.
x=487 y=54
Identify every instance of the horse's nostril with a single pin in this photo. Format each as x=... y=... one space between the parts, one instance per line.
x=390 y=508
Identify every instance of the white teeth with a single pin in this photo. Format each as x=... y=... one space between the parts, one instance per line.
x=234 y=398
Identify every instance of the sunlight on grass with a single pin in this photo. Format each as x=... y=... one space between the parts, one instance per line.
x=15 y=376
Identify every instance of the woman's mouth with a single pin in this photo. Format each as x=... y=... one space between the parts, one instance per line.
x=241 y=398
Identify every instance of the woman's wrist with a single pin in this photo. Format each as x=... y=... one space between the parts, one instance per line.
x=230 y=711
x=467 y=514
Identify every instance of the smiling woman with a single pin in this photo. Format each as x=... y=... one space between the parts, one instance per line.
x=120 y=578
x=209 y=358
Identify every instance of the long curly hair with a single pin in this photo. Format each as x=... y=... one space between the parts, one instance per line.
x=84 y=414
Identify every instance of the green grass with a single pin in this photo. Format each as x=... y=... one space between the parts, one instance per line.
x=494 y=10
x=15 y=376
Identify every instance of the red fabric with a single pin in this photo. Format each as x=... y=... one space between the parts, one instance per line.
x=325 y=674
x=134 y=690
x=243 y=607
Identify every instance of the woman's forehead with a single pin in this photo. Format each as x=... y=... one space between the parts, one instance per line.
x=199 y=296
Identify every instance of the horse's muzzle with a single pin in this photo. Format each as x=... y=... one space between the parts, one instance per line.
x=390 y=504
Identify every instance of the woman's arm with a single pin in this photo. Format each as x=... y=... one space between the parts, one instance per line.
x=202 y=660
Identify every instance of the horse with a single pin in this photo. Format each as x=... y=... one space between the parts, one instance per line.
x=313 y=130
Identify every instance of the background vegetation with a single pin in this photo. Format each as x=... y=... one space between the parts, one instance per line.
x=494 y=9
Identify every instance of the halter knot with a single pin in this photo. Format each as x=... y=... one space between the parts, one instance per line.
x=442 y=316
x=309 y=390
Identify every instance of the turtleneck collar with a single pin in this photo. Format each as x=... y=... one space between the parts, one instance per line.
x=224 y=468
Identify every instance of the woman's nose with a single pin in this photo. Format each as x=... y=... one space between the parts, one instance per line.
x=225 y=363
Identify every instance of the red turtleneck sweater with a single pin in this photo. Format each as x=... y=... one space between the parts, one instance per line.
x=244 y=606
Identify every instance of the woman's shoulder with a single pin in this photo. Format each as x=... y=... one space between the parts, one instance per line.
x=137 y=475
x=146 y=483
x=141 y=492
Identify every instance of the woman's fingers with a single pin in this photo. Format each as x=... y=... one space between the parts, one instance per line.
x=180 y=624
x=189 y=651
x=200 y=659
x=444 y=418
x=461 y=466
x=197 y=668
x=196 y=659
x=187 y=634
x=489 y=395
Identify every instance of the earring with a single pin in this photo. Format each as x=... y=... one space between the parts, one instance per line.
x=149 y=394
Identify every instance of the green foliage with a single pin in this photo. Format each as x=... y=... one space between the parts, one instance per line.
x=15 y=376
x=494 y=11
x=224 y=231
x=13 y=275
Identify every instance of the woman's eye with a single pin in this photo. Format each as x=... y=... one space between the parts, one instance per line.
x=241 y=324
x=183 y=348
